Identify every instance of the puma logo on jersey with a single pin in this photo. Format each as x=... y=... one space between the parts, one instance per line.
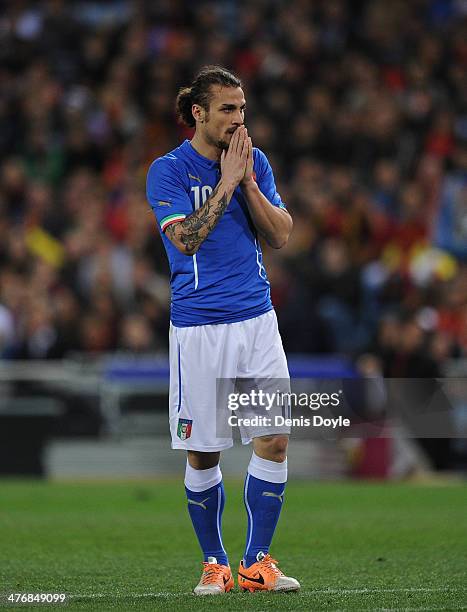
x=201 y=503
x=195 y=178
x=161 y=203
x=271 y=494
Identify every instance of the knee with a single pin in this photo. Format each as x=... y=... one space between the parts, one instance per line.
x=273 y=448
x=202 y=461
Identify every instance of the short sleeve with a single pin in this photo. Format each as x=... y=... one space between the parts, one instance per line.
x=166 y=193
x=265 y=178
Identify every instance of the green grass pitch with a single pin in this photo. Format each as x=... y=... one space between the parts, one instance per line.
x=123 y=546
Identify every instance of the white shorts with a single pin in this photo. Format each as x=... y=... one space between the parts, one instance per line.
x=199 y=357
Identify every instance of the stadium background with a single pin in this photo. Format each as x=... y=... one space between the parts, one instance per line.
x=362 y=109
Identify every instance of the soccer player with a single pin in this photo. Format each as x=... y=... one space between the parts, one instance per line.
x=212 y=197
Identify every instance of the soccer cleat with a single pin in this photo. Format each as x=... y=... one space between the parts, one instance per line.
x=216 y=579
x=264 y=575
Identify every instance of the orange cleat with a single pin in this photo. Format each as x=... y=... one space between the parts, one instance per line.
x=264 y=575
x=215 y=580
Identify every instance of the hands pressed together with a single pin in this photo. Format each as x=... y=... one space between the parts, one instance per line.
x=237 y=161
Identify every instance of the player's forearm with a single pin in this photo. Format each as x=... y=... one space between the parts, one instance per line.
x=189 y=234
x=272 y=223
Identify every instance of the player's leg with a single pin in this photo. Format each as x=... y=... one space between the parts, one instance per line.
x=193 y=428
x=264 y=493
x=267 y=471
x=264 y=496
x=205 y=494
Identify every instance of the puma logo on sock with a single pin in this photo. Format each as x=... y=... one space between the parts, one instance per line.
x=201 y=503
x=271 y=494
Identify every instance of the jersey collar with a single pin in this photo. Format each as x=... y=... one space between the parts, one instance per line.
x=200 y=159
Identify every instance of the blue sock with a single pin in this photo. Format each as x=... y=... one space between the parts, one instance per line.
x=263 y=502
x=205 y=508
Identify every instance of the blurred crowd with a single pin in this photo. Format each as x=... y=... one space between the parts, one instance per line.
x=361 y=107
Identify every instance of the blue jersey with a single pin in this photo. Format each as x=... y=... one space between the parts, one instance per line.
x=225 y=281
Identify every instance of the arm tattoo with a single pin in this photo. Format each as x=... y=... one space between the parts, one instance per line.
x=193 y=230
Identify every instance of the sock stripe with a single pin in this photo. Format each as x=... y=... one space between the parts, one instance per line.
x=250 y=516
x=219 y=496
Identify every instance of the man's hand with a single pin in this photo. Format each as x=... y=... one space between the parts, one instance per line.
x=248 y=176
x=234 y=161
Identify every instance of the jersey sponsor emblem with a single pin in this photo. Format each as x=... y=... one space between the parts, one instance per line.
x=162 y=203
x=184 y=428
x=195 y=178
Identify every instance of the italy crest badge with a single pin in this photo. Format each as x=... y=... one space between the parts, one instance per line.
x=184 y=428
